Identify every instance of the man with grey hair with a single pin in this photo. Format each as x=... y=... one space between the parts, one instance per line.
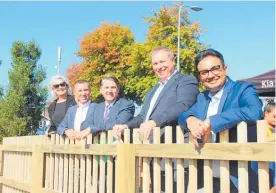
x=164 y=102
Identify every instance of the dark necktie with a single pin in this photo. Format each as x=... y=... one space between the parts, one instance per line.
x=106 y=112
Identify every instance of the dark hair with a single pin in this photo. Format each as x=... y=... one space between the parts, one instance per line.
x=114 y=79
x=268 y=107
x=208 y=52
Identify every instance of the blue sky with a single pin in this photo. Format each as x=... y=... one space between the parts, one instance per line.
x=244 y=32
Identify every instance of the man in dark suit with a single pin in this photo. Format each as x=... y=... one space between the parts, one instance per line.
x=222 y=106
x=113 y=110
x=173 y=94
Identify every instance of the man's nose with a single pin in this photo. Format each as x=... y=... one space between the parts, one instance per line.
x=210 y=74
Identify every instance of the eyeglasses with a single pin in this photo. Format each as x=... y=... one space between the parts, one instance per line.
x=215 y=70
x=63 y=84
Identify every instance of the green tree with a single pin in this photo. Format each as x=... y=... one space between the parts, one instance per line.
x=24 y=100
x=111 y=49
x=163 y=32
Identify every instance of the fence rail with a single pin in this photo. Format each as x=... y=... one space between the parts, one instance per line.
x=41 y=164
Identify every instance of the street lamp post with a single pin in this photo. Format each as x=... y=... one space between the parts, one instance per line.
x=194 y=8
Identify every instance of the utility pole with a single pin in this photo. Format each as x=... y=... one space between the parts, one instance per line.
x=0 y=72
x=59 y=59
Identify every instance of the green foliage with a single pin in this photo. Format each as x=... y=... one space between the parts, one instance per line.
x=111 y=49
x=24 y=100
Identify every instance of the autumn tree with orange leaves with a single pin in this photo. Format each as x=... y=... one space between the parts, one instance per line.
x=103 y=51
x=110 y=49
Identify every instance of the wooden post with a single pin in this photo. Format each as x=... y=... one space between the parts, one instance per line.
x=263 y=169
x=125 y=167
x=37 y=169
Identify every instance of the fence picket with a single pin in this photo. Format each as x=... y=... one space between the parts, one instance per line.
x=192 y=186
x=168 y=163
x=156 y=163
x=95 y=168
x=242 y=165
x=224 y=166
x=102 y=165
x=109 y=180
x=88 y=186
x=208 y=171
x=263 y=169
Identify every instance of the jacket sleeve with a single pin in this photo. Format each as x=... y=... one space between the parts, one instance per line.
x=183 y=116
x=89 y=120
x=250 y=110
x=125 y=114
x=187 y=91
x=137 y=120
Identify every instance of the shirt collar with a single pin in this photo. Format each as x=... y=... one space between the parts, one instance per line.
x=218 y=94
x=111 y=104
x=85 y=104
x=160 y=83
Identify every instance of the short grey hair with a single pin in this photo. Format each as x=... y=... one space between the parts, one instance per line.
x=163 y=48
x=53 y=81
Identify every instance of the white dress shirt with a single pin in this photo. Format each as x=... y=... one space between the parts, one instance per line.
x=156 y=95
x=213 y=110
x=81 y=115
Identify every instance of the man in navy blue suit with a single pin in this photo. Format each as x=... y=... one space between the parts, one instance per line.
x=173 y=94
x=71 y=124
x=222 y=106
x=113 y=110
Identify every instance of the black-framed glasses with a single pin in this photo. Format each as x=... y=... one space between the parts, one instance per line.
x=215 y=70
x=63 y=84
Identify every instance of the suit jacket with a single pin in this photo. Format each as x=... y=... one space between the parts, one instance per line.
x=178 y=95
x=239 y=102
x=70 y=101
x=121 y=111
x=69 y=119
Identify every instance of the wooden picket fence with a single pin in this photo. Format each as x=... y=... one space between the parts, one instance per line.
x=42 y=164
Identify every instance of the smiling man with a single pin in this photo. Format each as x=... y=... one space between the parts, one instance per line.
x=71 y=124
x=113 y=110
x=222 y=106
x=173 y=94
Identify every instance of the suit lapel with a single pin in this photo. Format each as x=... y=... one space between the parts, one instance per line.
x=205 y=105
x=74 y=111
x=100 y=113
x=114 y=107
x=166 y=87
x=225 y=94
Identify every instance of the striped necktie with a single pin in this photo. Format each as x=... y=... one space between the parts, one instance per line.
x=106 y=112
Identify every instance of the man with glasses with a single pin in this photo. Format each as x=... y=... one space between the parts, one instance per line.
x=222 y=106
